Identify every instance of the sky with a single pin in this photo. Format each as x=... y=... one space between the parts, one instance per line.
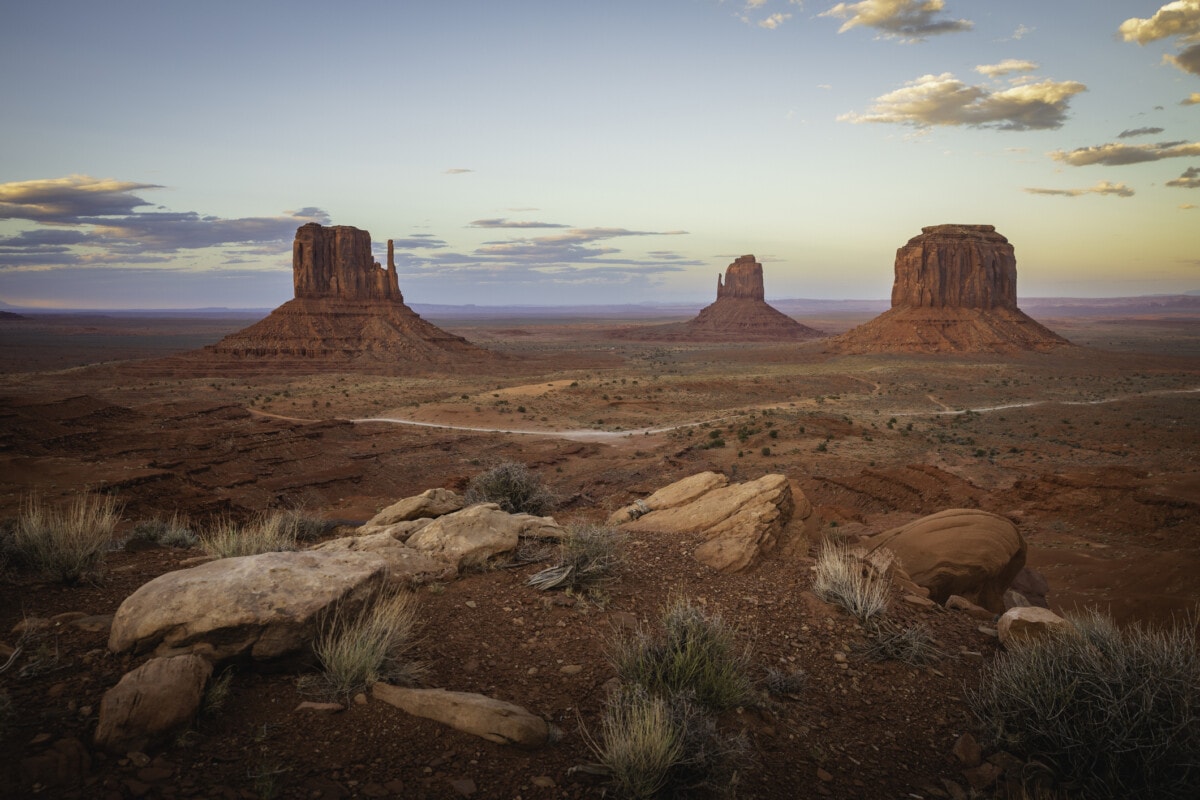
x=159 y=154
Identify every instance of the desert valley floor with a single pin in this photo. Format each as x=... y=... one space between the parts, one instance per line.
x=1091 y=450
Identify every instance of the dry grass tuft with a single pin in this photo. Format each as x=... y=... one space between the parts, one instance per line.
x=846 y=579
x=266 y=534
x=66 y=543
x=588 y=556
x=369 y=641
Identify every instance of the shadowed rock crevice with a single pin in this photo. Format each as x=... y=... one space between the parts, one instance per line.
x=955 y=291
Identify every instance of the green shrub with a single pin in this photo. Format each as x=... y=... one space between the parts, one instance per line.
x=588 y=555
x=66 y=543
x=846 y=579
x=265 y=534
x=696 y=654
x=370 y=641
x=1111 y=712
x=513 y=487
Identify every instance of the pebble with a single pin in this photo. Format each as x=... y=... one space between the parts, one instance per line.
x=543 y=782
x=571 y=669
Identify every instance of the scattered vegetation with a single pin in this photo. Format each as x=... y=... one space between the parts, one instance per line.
x=217 y=692
x=513 y=487
x=174 y=531
x=587 y=556
x=785 y=684
x=367 y=641
x=272 y=532
x=850 y=579
x=697 y=654
x=1110 y=712
x=66 y=543
x=913 y=645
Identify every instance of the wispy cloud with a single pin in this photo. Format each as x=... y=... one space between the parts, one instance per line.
x=759 y=14
x=507 y=223
x=906 y=20
x=457 y=171
x=418 y=241
x=97 y=221
x=1129 y=134
x=1021 y=32
x=1102 y=188
x=944 y=100
x=1113 y=155
x=1190 y=179
x=1006 y=67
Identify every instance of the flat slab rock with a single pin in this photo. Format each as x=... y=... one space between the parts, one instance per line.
x=740 y=521
x=476 y=714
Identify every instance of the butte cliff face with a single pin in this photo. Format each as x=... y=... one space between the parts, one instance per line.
x=955 y=292
x=348 y=310
x=740 y=314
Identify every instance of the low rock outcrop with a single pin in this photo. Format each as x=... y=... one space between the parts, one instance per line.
x=346 y=309
x=740 y=314
x=426 y=505
x=965 y=552
x=151 y=701
x=741 y=522
x=476 y=714
x=1028 y=623
x=955 y=290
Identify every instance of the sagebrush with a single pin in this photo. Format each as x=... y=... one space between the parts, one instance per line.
x=512 y=486
x=587 y=555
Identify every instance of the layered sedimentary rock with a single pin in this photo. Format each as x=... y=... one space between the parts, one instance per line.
x=955 y=290
x=347 y=308
x=739 y=314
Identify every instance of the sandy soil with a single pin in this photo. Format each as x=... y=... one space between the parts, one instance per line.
x=1091 y=450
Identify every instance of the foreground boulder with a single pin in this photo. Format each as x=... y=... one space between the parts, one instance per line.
x=473 y=535
x=966 y=552
x=476 y=714
x=428 y=504
x=264 y=606
x=740 y=522
x=1028 y=623
x=151 y=701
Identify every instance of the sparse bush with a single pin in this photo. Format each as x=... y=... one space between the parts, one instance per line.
x=265 y=534
x=174 y=531
x=365 y=642
x=304 y=526
x=846 y=579
x=513 y=487
x=912 y=645
x=786 y=684
x=696 y=653
x=66 y=543
x=588 y=555
x=655 y=746
x=1115 y=713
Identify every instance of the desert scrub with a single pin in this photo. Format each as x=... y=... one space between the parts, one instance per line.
x=913 y=645
x=66 y=542
x=512 y=486
x=850 y=580
x=304 y=526
x=696 y=654
x=663 y=746
x=174 y=531
x=264 y=534
x=367 y=641
x=1110 y=712
x=587 y=556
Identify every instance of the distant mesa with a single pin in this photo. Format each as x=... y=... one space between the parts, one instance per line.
x=347 y=310
x=6 y=316
x=740 y=314
x=955 y=292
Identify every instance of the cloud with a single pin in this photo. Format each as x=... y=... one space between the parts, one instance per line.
x=506 y=223
x=1115 y=155
x=1188 y=60
x=752 y=10
x=1006 y=67
x=1022 y=31
x=96 y=221
x=1180 y=18
x=1188 y=206
x=1103 y=187
x=907 y=20
x=62 y=200
x=1190 y=179
x=1138 y=132
x=1191 y=100
x=945 y=100
x=774 y=21
x=457 y=171
x=418 y=241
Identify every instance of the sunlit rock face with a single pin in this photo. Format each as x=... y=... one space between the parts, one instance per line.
x=955 y=292
x=743 y=278
x=336 y=262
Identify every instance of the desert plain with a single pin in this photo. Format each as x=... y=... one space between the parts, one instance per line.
x=1090 y=449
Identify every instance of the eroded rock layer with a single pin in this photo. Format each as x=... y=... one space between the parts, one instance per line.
x=955 y=291
x=347 y=310
x=740 y=314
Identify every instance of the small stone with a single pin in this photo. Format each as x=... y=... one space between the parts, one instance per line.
x=983 y=776
x=464 y=786
x=470 y=604
x=326 y=708
x=839 y=658
x=41 y=738
x=360 y=699
x=138 y=759
x=571 y=669
x=543 y=782
x=823 y=775
x=967 y=751
x=98 y=623
x=918 y=601
x=67 y=616
x=531 y=671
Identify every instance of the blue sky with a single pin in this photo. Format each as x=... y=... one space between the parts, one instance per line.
x=160 y=154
